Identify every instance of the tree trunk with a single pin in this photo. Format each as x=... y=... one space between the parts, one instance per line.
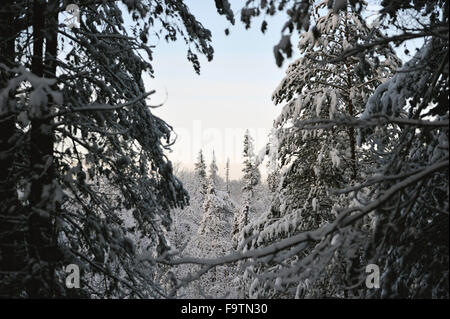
x=42 y=210
x=10 y=228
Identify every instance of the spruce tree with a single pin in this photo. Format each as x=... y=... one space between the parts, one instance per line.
x=213 y=171
x=75 y=116
x=312 y=159
x=252 y=176
x=250 y=180
x=200 y=174
x=227 y=176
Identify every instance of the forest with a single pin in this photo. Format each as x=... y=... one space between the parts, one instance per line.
x=355 y=201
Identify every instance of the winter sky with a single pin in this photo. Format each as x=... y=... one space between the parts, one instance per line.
x=211 y=111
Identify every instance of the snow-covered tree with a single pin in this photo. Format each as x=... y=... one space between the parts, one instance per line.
x=273 y=172
x=403 y=132
x=216 y=212
x=250 y=180
x=200 y=166
x=213 y=207
x=75 y=114
x=187 y=219
x=252 y=176
x=410 y=193
x=200 y=174
x=405 y=123
x=298 y=18
x=227 y=177
x=312 y=161
x=213 y=169
x=202 y=229
x=213 y=240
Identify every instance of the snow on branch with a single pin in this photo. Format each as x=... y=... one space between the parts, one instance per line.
x=345 y=218
x=373 y=120
x=107 y=107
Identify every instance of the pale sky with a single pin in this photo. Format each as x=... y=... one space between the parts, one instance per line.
x=212 y=110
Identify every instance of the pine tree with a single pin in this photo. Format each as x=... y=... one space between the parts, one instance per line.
x=273 y=175
x=227 y=176
x=313 y=159
x=250 y=180
x=252 y=176
x=400 y=129
x=200 y=174
x=213 y=171
x=213 y=206
x=75 y=106
x=12 y=234
x=214 y=230
x=410 y=239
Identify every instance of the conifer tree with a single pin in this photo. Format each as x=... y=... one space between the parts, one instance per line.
x=227 y=176
x=252 y=176
x=75 y=115
x=213 y=171
x=200 y=174
x=313 y=160
x=250 y=180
